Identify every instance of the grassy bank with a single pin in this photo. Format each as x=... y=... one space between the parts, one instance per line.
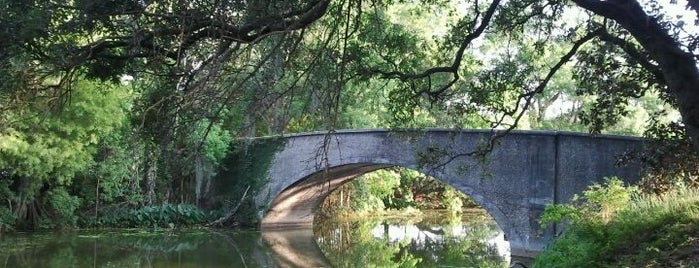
x=614 y=226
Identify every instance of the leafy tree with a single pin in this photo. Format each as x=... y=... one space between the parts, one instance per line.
x=106 y=40
x=44 y=150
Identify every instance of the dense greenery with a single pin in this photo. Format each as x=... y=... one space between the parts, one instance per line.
x=614 y=226
x=164 y=216
x=130 y=105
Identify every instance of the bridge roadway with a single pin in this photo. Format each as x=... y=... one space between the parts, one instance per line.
x=524 y=172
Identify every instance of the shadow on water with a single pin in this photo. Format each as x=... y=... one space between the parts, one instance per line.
x=383 y=243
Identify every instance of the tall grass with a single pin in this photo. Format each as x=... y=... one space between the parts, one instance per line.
x=604 y=232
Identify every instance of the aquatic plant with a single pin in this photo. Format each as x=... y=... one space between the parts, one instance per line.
x=164 y=216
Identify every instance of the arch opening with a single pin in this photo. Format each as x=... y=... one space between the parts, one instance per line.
x=297 y=206
x=395 y=189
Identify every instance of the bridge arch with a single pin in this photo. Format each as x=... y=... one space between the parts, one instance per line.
x=296 y=205
x=526 y=171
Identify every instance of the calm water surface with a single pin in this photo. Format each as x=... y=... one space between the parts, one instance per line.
x=429 y=241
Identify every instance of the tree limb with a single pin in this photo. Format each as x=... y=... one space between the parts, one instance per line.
x=221 y=221
x=483 y=149
x=456 y=63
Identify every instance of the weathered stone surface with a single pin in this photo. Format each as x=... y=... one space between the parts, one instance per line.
x=525 y=171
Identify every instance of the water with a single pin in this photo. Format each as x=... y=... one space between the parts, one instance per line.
x=437 y=240
x=418 y=242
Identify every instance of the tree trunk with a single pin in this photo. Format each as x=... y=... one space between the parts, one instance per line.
x=686 y=93
x=150 y=177
x=198 y=179
x=678 y=67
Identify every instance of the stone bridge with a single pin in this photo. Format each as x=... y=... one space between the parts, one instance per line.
x=525 y=171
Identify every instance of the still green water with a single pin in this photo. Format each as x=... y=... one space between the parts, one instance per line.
x=441 y=241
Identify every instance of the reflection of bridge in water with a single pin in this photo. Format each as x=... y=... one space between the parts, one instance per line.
x=525 y=171
x=295 y=248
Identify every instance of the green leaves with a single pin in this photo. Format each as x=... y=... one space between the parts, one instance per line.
x=63 y=205
x=598 y=204
x=163 y=216
x=40 y=144
x=612 y=226
x=45 y=145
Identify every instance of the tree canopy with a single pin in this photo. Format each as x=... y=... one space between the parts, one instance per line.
x=618 y=49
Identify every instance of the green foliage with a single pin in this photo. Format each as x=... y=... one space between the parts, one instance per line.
x=216 y=141
x=45 y=145
x=380 y=184
x=63 y=206
x=7 y=219
x=114 y=175
x=598 y=205
x=586 y=238
x=452 y=200
x=39 y=144
x=669 y=158
x=606 y=231
x=163 y=216
x=394 y=189
x=244 y=168
x=363 y=200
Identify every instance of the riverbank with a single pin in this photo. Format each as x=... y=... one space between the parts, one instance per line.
x=614 y=228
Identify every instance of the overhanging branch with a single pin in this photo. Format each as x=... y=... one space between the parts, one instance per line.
x=456 y=63
x=634 y=53
x=527 y=97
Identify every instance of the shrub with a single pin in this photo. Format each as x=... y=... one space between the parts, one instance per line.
x=586 y=238
x=7 y=219
x=63 y=206
x=612 y=226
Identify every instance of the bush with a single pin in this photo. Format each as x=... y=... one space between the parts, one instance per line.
x=63 y=206
x=7 y=219
x=612 y=226
x=586 y=238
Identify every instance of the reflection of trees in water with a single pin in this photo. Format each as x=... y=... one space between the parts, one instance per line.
x=351 y=244
x=127 y=249
x=451 y=242
x=471 y=250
